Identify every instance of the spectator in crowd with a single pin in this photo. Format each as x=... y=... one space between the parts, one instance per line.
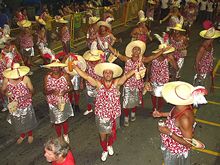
x=3 y=18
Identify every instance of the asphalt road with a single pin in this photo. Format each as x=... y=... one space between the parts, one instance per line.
x=137 y=144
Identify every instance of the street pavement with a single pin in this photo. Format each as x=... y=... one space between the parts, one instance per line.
x=137 y=144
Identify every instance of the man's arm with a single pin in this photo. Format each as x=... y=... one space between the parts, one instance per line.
x=117 y=54
x=152 y=57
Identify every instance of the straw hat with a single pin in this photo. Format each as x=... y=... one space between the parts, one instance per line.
x=56 y=63
x=132 y=44
x=60 y=19
x=16 y=71
x=93 y=55
x=80 y=62
x=40 y=20
x=151 y=2
x=178 y=93
x=93 y=20
x=178 y=27
x=161 y=46
x=192 y=1
x=104 y=23
x=141 y=16
x=99 y=68
x=211 y=33
x=24 y=23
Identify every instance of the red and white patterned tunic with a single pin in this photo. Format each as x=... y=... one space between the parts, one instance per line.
x=2 y=68
x=91 y=35
x=159 y=71
x=103 y=42
x=21 y=93
x=26 y=41
x=178 y=45
x=107 y=104
x=59 y=85
x=206 y=62
x=65 y=34
x=11 y=56
x=173 y=146
x=132 y=82
x=91 y=72
x=173 y=21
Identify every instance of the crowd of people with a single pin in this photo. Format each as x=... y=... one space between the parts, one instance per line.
x=158 y=73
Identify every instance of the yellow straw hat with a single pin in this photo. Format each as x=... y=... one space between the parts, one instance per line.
x=151 y=2
x=132 y=44
x=56 y=63
x=93 y=55
x=60 y=19
x=104 y=23
x=93 y=20
x=211 y=33
x=24 y=23
x=99 y=68
x=80 y=62
x=161 y=46
x=40 y=20
x=16 y=71
x=178 y=27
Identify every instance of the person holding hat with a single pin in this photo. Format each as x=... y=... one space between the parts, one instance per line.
x=92 y=31
x=180 y=42
x=107 y=104
x=92 y=57
x=204 y=59
x=141 y=32
x=57 y=85
x=159 y=71
x=19 y=90
x=178 y=129
x=132 y=89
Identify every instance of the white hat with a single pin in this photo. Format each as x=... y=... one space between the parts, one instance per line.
x=16 y=71
x=132 y=44
x=141 y=16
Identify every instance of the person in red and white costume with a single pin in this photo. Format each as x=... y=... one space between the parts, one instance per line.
x=107 y=104
x=133 y=87
x=178 y=130
x=57 y=85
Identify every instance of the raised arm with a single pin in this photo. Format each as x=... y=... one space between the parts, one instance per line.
x=117 y=54
x=152 y=57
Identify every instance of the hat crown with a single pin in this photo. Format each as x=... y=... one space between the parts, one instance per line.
x=15 y=66
x=141 y=15
x=210 y=32
x=183 y=91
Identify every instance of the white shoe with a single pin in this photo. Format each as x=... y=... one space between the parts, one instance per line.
x=66 y=138
x=110 y=150
x=4 y=109
x=87 y=112
x=133 y=117
x=104 y=156
x=126 y=122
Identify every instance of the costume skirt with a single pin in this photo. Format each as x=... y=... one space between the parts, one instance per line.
x=57 y=116
x=156 y=89
x=23 y=120
x=131 y=97
x=104 y=125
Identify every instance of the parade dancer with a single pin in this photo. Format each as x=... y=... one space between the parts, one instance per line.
x=178 y=129
x=133 y=87
x=180 y=42
x=57 y=85
x=19 y=90
x=159 y=71
x=92 y=57
x=204 y=58
x=107 y=105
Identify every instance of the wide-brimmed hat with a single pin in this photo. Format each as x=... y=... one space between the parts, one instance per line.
x=24 y=23
x=79 y=61
x=40 y=20
x=161 y=46
x=132 y=44
x=56 y=63
x=60 y=19
x=151 y=2
x=93 y=19
x=178 y=27
x=141 y=16
x=178 y=93
x=104 y=23
x=93 y=55
x=99 y=68
x=211 y=33
x=16 y=71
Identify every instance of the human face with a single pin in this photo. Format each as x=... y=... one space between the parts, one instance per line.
x=103 y=29
x=56 y=70
x=49 y=155
x=136 y=51
x=108 y=75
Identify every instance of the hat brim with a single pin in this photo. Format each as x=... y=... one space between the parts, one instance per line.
x=178 y=29
x=89 y=56
x=61 y=21
x=172 y=49
x=16 y=73
x=169 y=93
x=27 y=24
x=217 y=34
x=103 y=23
x=152 y=2
x=94 y=21
x=54 y=64
x=99 y=68
x=80 y=62
x=131 y=45
x=144 y=20
x=40 y=20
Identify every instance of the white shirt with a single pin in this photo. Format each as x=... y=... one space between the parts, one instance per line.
x=203 y=5
x=164 y=4
x=210 y=6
